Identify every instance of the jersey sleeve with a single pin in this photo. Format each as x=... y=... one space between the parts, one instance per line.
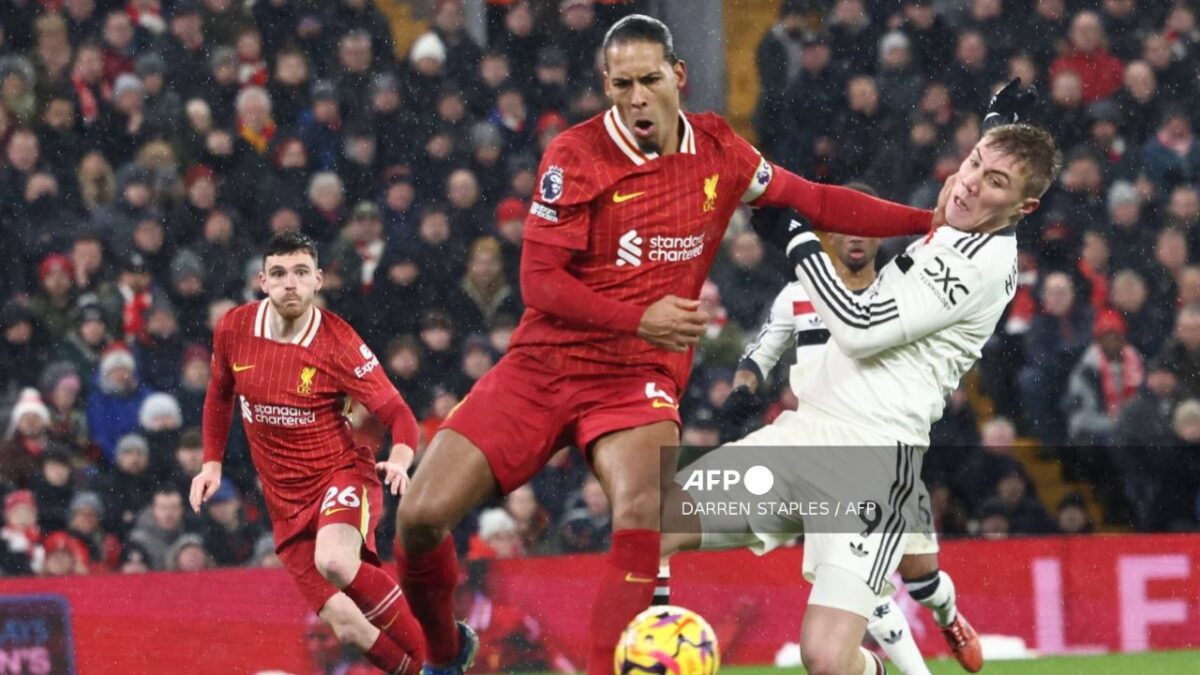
x=218 y=400
x=937 y=289
x=773 y=337
x=560 y=212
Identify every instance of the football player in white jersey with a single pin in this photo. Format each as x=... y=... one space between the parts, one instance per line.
x=895 y=353
x=793 y=321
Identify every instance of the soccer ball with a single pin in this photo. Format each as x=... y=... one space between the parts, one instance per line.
x=667 y=640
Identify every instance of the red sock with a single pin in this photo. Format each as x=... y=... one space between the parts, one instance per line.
x=390 y=658
x=626 y=588
x=380 y=600
x=429 y=580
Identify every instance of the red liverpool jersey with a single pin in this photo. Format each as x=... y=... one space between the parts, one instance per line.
x=643 y=225
x=292 y=396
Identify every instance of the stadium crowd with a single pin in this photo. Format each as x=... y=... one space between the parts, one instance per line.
x=150 y=147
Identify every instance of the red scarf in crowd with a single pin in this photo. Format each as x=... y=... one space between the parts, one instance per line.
x=1117 y=393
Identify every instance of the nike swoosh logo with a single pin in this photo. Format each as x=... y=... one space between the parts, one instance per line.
x=635 y=579
x=619 y=198
x=656 y=403
x=238 y=369
x=330 y=512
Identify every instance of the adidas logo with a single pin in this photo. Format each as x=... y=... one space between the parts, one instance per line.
x=795 y=225
x=857 y=549
x=882 y=610
x=629 y=249
x=894 y=636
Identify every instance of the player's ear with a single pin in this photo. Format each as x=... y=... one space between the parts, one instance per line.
x=1028 y=206
x=262 y=281
x=680 y=69
x=320 y=277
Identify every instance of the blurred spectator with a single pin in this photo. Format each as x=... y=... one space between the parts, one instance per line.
x=26 y=438
x=83 y=346
x=853 y=35
x=53 y=489
x=477 y=360
x=128 y=486
x=981 y=468
x=484 y=291
x=61 y=390
x=747 y=283
x=64 y=556
x=1024 y=512
x=587 y=524
x=113 y=406
x=1073 y=517
x=159 y=354
x=1149 y=323
x=497 y=538
x=403 y=366
x=531 y=519
x=722 y=343
x=814 y=97
x=993 y=523
x=578 y=36
x=134 y=559
x=970 y=76
x=84 y=523
x=1103 y=381
x=52 y=305
x=159 y=527
x=20 y=539
x=1057 y=338
x=160 y=419
x=778 y=57
x=932 y=37
x=23 y=348
x=226 y=535
x=1089 y=58
x=187 y=554
x=1183 y=350
x=1172 y=155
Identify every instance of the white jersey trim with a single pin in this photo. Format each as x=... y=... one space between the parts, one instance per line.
x=627 y=144
x=262 y=325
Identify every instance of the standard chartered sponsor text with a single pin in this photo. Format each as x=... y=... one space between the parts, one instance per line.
x=283 y=416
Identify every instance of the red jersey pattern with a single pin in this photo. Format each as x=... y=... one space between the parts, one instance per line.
x=293 y=396
x=643 y=226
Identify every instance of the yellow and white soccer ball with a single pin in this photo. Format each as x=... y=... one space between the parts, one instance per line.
x=667 y=640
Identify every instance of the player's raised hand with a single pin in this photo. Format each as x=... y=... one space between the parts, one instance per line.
x=673 y=323
x=394 y=471
x=1010 y=105
x=205 y=484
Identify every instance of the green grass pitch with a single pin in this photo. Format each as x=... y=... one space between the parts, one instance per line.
x=1153 y=663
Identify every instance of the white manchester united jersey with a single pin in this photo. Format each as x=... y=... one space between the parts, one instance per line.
x=899 y=348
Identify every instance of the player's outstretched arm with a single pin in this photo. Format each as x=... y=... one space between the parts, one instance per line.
x=831 y=208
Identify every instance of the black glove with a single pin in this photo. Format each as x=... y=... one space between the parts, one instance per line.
x=778 y=226
x=741 y=406
x=1010 y=105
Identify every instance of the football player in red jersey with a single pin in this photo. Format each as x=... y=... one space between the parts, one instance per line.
x=631 y=208
x=291 y=366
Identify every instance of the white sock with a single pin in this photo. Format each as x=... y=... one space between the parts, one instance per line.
x=662 y=585
x=889 y=627
x=871 y=664
x=936 y=592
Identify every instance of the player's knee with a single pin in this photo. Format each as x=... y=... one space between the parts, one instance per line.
x=421 y=524
x=826 y=659
x=337 y=566
x=641 y=510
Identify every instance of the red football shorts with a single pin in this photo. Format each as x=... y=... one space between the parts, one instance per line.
x=522 y=411
x=353 y=496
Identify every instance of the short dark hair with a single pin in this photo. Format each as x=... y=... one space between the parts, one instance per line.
x=1034 y=148
x=292 y=241
x=641 y=28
